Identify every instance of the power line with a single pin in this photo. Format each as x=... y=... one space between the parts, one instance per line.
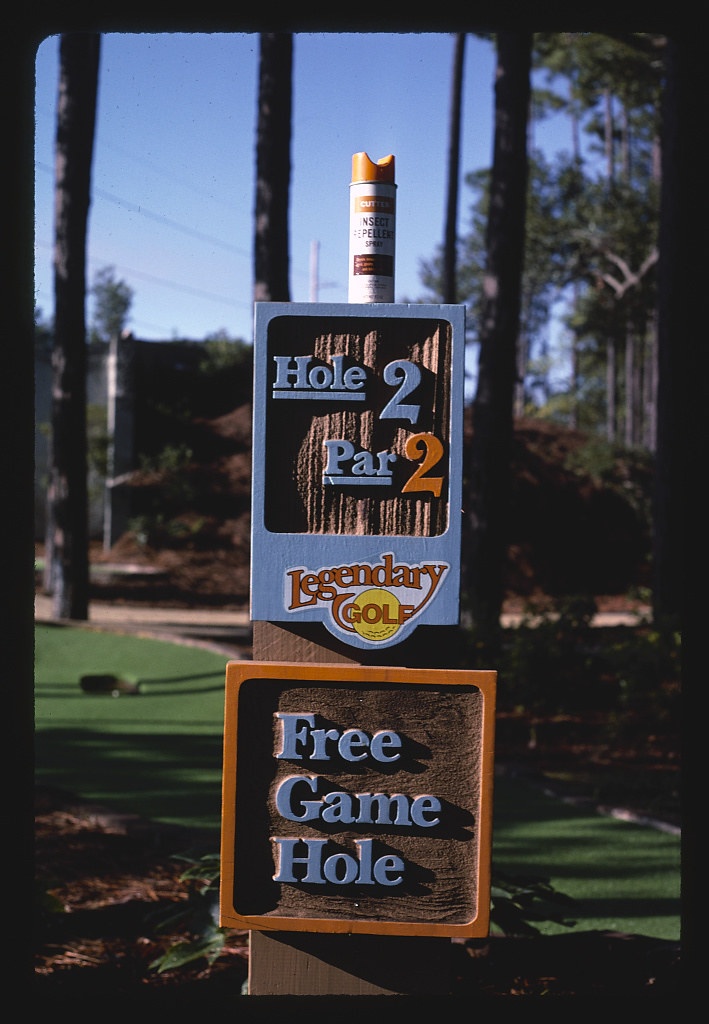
x=97 y=261
x=175 y=225
x=159 y=218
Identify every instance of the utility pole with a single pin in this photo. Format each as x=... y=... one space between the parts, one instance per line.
x=314 y=277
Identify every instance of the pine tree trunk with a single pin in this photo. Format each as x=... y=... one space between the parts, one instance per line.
x=629 y=386
x=273 y=168
x=450 y=290
x=611 y=414
x=680 y=294
x=489 y=454
x=67 y=539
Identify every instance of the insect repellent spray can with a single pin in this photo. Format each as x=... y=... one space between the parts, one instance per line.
x=372 y=229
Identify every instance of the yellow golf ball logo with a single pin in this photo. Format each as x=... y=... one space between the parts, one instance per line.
x=376 y=614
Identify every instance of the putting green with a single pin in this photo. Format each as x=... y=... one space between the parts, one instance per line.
x=157 y=752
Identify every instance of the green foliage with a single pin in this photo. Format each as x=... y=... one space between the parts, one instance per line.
x=548 y=664
x=627 y=471
x=208 y=946
x=157 y=530
x=46 y=903
x=556 y=665
x=163 y=500
x=647 y=669
x=112 y=302
x=518 y=904
x=596 y=458
x=591 y=223
x=169 y=461
x=222 y=354
x=198 y=916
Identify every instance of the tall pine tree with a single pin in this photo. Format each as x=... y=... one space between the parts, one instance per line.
x=67 y=539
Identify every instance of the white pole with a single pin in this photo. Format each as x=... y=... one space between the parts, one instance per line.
x=314 y=260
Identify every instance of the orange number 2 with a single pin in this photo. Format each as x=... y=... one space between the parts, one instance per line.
x=430 y=447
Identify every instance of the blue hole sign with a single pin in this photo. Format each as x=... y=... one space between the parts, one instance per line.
x=357 y=467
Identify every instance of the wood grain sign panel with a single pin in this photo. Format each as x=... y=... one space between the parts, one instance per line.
x=357 y=467
x=357 y=799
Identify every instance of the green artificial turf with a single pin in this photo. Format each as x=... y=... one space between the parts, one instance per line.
x=158 y=754
x=622 y=876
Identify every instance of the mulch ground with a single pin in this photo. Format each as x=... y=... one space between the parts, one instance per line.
x=113 y=877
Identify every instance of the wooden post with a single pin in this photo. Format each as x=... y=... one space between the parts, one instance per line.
x=297 y=964
x=356 y=506
x=310 y=964
x=287 y=964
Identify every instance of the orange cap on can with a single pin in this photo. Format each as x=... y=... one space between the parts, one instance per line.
x=364 y=169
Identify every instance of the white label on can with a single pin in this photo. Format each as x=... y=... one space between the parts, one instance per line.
x=372 y=242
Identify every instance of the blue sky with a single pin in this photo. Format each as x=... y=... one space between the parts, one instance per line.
x=174 y=164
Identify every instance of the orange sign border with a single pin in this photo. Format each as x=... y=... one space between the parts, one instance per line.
x=237 y=673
